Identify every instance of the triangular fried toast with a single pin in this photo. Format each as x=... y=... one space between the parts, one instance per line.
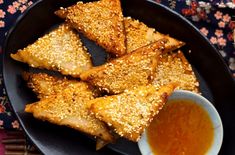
x=60 y=50
x=128 y=71
x=174 y=67
x=138 y=34
x=45 y=85
x=100 y=21
x=129 y=113
x=69 y=108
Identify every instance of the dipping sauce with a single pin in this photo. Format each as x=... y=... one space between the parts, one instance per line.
x=181 y=128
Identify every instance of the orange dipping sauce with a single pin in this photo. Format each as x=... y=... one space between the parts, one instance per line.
x=181 y=128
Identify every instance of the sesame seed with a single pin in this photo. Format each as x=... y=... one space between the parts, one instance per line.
x=60 y=50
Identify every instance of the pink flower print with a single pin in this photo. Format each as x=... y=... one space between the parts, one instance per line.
x=16 y=4
x=22 y=8
x=221 y=41
x=221 y=24
x=15 y=124
x=30 y=3
x=2 y=13
x=204 y=31
x=1 y=122
x=1 y=1
x=11 y=9
x=226 y=18
x=219 y=33
x=213 y=40
x=23 y=1
x=218 y=15
x=2 y=23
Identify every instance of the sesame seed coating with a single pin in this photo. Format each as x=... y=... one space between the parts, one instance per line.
x=60 y=50
x=145 y=73
x=69 y=108
x=45 y=85
x=174 y=67
x=100 y=21
x=129 y=113
x=125 y=72
x=138 y=34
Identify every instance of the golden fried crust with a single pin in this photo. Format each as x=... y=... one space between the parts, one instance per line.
x=174 y=67
x=100 y=21
x=129 y=113
x=60 y=50
x=62 y=13
x=138 y=34
x=100 y=143
x=69 y=108
x=45 y=85
x=128 y=71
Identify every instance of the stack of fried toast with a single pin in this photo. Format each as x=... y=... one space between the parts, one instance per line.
x=117 y=99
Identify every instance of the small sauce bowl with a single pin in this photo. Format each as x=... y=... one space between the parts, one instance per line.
x=211 y=111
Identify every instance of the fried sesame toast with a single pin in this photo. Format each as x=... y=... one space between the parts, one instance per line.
x=174 y=67
x=69 y=108
x=138 y=34
x=60 y=50
x=100 y=21
x=128 y=71
x=129 y=113
x=45 y=85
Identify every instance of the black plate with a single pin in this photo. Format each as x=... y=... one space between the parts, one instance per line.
x=216 y=81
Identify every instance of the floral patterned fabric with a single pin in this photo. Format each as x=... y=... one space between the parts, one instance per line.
x=212 y=17
x=215 y=19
